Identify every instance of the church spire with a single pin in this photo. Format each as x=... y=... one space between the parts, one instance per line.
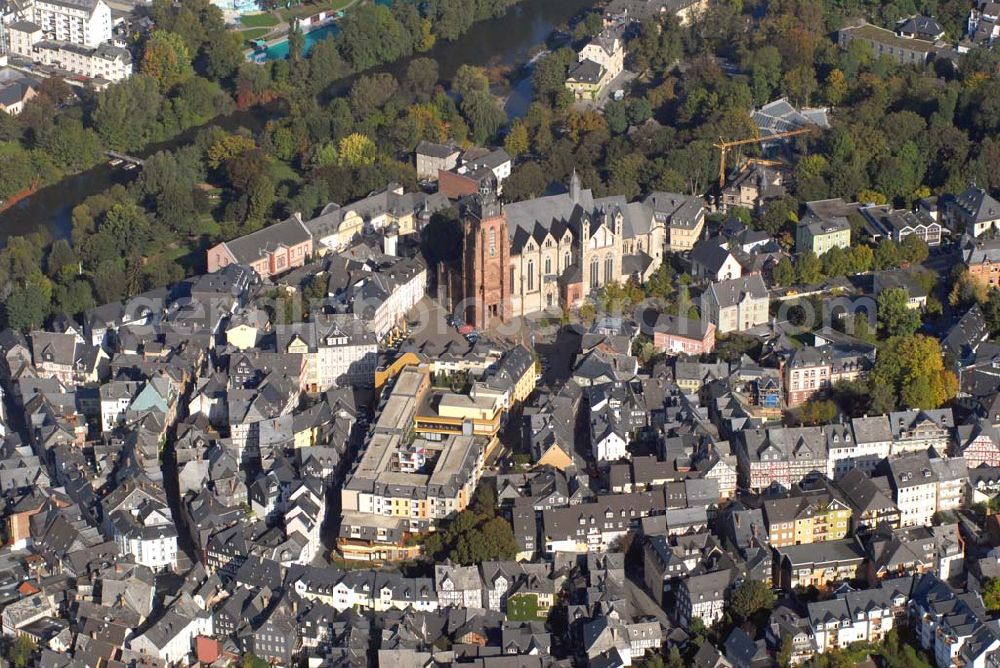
x=574 y=187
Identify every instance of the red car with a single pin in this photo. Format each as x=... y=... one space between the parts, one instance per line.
x=466 y=329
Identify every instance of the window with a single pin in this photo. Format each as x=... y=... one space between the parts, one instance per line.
x=512 y=279
x=609 y=268
x=594 y=268
x=531 y=275
x=493 y=242
x=548 y=266
x=565 y=260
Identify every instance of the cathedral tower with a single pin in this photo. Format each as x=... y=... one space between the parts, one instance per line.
x=485 y=260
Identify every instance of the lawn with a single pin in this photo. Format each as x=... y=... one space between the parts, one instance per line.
x=253 y=33
x=310 y=8
x=262 y=20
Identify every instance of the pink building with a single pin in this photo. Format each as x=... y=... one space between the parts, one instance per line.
x=673 y=334
x=807 y=373
x=270 y=251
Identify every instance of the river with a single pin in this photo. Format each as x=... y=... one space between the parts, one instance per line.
x=508 y=41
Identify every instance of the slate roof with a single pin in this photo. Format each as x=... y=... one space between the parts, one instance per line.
x=251 y=247
x=977 y=205
x=732 y=292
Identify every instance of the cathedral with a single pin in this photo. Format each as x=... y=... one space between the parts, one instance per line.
x=551 y=253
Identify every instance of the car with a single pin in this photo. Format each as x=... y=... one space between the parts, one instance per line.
x=472 y=338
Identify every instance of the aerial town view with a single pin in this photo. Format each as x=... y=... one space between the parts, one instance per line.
x=500 y=333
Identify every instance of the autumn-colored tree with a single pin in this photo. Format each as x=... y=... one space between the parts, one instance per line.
x=226 y=148
x=167 y=59
x=835 y=87
x=516 y=141
x=913 y=367
x=356 y=150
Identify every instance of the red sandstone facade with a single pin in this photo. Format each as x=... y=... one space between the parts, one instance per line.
x=485 y=261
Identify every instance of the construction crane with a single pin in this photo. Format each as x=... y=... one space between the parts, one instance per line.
x=724 y=146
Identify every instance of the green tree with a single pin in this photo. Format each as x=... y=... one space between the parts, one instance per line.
x=836 y=262
x=887 y=255
x=251 y=660
x=371 y=35
x=26 y=308
x=784 y=656
x=127 y=111
x=895 y=317
x=109 y=282
x=816 y=412
x=809 y=268
x=913 y=249
x=74 y=298
x=751 y=597
x=860 y=259
x=421 y=78
x=470 y=79
x=21 y=650
x=991 y=594
x=371 y=92
x=484 y=114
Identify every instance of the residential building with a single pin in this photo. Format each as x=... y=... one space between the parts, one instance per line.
x=810 y=518
x=598 y=63
x=915 y=488
x=973 y=212
x=856 y=616
x=873 y=441
x=752 y=186
x=82 y=22
x=683 y=217
x=16 y=89
x=147 y=533
x=982 y=259
x=593 y=527
x=675 y=334
x=476 y=168
x=917 y=430
x=780 y=456
x=339 y=350
x=978 y=444
x=736 y=305
x=337 y=227
x=458 y=586
x=270 y=251
x=870 y=499
x=821 y=234
x=432 y=158
x=704 y=596
x=808 y=373
x=712 y=260
x=982 y=26
x=818 y=565
x=104 y=62
x=904 y=50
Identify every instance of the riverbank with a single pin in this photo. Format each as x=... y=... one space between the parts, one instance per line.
x=511 y=40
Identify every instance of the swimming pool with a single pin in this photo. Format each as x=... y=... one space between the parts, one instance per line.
x=279 y=51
